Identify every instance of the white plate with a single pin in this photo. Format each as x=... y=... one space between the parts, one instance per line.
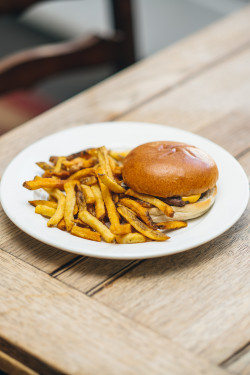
x=230 y=203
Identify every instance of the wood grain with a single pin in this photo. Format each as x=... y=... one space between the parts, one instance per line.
x=18 y=243
x=212 y=97
x=138 y=84
x=195 y=298
x=10 y=366
x=68 y=332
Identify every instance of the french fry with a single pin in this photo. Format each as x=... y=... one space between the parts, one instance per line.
x=96 y=224
x=79 y=163
x=44 y=183
x=86 y=233
x=103 y=158
x=88 y=194
x=140 y=211
x=45 y=210
x=130 y=238
x=62 y=225
x=82 y=173
x=119 y=156
x=140 y=226
x=113 y=215
x=99 y=203
x=58 y=165
x=45 y=166
x=43 y=203
x=170 y=225
x=165 y=208
x=91 y=180
x=109 y=182
x=70 y=202
x=59 y=213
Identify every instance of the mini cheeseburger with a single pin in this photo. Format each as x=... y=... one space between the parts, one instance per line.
x=181 y=175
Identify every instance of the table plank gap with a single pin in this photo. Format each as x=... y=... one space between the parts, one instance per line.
x=10 y=366
x=236 y=355
x=66 y=266
x=107 y=283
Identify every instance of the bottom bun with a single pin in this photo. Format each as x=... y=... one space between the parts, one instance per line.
x=189 y=211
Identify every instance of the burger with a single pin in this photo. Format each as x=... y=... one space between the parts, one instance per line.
x=181 y=175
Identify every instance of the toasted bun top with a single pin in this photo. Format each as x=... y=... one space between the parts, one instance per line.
x=165 y=169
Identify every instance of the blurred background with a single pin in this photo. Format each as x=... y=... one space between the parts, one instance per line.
x=156 y=24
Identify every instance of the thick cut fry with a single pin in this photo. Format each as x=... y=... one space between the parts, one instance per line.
x=44 y=183
x=165 y=208
x=62 y=225
x=109 y=182
x=86 y=233
x=70 y=202
x=119 y=156
x=82 y=173
x=88 y=180
x=113 y=215
x=140 y=226
x=96 y=224
x=58 y=165
x=43 y=203
x=45 y=166
x=140 y=211
x=88 y=194
x=103 y=158
x=170 y=225
x=99 y=203
x=130 y=238
x=45 y=210
x=58 y=215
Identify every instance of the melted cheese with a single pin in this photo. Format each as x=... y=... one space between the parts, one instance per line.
x=191 y=198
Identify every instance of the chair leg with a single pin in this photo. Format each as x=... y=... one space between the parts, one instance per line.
x=123 y=21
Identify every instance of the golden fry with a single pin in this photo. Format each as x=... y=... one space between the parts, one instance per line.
x=103 y=158
x=140 y=211
x=91 y=180
x=165 y=208
x=140 y=226
x=99 y=203
x=86 y=233
x=170 y=225
x=62 y=225
x=82 y=173
x=45 y=183
x=45 y=210
x=96 y=224
x=58 y=165
x=88 y=194
x=113 y=215
x=109 y=182
x=130 y=238
x=58 y=215
x=79 y=163
x=37 y=202
x=70 y=202
x=119 y=156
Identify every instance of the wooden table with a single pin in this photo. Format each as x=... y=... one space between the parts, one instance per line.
x=182 y=314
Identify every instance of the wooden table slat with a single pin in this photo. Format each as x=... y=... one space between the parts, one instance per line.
x=69 y=332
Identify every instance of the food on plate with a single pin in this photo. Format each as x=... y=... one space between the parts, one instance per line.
x=181 y=176
x=126 y=197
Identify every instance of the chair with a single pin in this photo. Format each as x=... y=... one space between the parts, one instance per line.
x=24 y=69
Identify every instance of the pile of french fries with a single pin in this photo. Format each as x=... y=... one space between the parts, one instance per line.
x=87 y=198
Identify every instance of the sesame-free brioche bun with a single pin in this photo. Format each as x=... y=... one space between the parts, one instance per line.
x=165 y=169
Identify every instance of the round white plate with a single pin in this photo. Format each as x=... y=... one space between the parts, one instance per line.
x=230 y=203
